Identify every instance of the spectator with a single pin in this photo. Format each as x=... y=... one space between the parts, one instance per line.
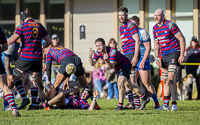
x=98 y=76
x=111 y=76
x=192 y=56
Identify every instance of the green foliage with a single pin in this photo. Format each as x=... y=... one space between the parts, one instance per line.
x=188 y=113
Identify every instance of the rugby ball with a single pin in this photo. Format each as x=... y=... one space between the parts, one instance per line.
x=70 y=68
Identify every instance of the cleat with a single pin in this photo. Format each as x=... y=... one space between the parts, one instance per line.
x=144 y=103
x=130 y=106
x=97 y=107
x=7 y=108
x=174 y=108
x=31 y=107
x=163 y=108
x=24 y=104
x=137 y=108
x=118 y=108
x=47 y=108
x=16 y=113
x=156 y=107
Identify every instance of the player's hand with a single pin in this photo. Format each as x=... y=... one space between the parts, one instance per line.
x=105 y=56
x=141 y=66
x=91 y=52
x=95 y=93
x=134 y=62
x=66 y=84
x=49 y=82
x=181 y=59
x=10 y=81
x=44 y=67
x=158 y=62
x=112 y=71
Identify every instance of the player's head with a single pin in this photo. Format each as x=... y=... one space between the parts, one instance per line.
x=159 y=16
x=46 y=50
x=24 y=14
x=70 y=68
x=135 y=20
x=100 y=44
x=122 y=14
x=86 y=93
x=55 y=39
x=112 y=43
x=194 y=42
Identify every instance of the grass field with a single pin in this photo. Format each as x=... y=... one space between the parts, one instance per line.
x=188 y=113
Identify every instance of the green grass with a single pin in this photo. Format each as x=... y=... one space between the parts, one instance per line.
x=188 y=113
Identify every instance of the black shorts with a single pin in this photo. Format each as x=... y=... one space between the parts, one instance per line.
x=130 y=57
x=76 y=61
x=2 y=69
x=25 y=65
x=170 y=59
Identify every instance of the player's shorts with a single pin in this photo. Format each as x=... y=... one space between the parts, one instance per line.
x=147 y=65
x=71 y=59
x=130 y=57
x=170 y=59
x=124 y=71
x=2 y=69
x=25 y=65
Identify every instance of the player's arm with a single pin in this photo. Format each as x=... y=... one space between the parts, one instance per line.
x=137 y=45
x=48 y=41
x=91 y=60
x=7 y=64
x=13 y=39
x=110 y=63
x=156 y=48
x=93 y=104
x=147 y=44
x=181 y=39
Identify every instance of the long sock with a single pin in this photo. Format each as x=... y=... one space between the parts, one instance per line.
x=166 y=101
x=120 y=105
x=143 y=97
x=155 y=99
x=174 y=103
x=130 y=95
x=44 y=105
x=11 y=101
x=136 y=100
x=20 y=89
x=38 y=101
x=34 y=93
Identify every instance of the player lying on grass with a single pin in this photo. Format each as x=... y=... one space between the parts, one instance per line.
x=66 y=101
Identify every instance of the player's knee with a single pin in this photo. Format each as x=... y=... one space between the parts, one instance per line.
x=165 y=75
x=32 y=78
x=132 y=73
x=121 y=86
x=17 y=73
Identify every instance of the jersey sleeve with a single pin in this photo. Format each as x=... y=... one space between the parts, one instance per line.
x=48 y=58
x=132 y=28
x=2 y=37
x=113 y=55
x=44 y=31
x=154 y=35
x=85 y=106
x=145 y=35
x=173 y=28
x=19 y=30
x=96 y=56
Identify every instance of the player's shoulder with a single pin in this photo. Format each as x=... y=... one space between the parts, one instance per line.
x=130 y=24
x=170 y=24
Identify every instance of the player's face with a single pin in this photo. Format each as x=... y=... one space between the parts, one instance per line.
x=84 y=94
x=193 y=43
x=122 y=17
x=136 y=23
x=158 y=17
x=99 y=46
x=45 y=50
x=112 y=44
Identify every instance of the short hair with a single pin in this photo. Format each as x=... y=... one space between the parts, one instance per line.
x=135 y=18
x=123 y=9
x=100 y=40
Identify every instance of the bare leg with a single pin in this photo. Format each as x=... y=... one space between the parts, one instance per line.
x=40 y=84
x=59 y=79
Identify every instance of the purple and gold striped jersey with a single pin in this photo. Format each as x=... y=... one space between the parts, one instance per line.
x=31 y=33
x=113 y=56
x=126 y=32
x=75 y=102
x=165 y=35
x=2 y=40
x=57 y=54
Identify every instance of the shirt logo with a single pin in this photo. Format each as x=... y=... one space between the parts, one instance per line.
x=172 y=60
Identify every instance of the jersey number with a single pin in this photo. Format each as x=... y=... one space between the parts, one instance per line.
x=34 y=32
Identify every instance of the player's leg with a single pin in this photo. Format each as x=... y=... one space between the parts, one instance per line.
x=25 y=77
x=39 y=82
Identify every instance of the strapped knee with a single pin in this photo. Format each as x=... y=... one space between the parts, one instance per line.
x=165 y=75
x=132 y=73
x=172 y=70
x=17 y=73
x=32 y=78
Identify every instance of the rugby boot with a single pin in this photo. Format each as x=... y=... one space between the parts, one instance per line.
x=130 y=106
x=16 y=113
x=174 y=108
x=118 y=108
x=166 y=108
x=31 y=107
x=24 y=104
x=144 y=103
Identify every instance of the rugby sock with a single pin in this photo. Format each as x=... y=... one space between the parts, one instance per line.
x=130 y=95
x=155 y=99
x=44 y=105
x=143 y=97
x=38 y=101
x=136 y=100
x=10 y=99
x=34 y=93
x=20 y=89
x=166 y=101
x=120 y=105
x=174 y=103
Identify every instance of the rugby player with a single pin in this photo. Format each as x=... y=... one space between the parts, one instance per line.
x=143 y=66
x=31 y=34
x=170 y=44
x=131 y=49
x=3 y=78
x=115 y=60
